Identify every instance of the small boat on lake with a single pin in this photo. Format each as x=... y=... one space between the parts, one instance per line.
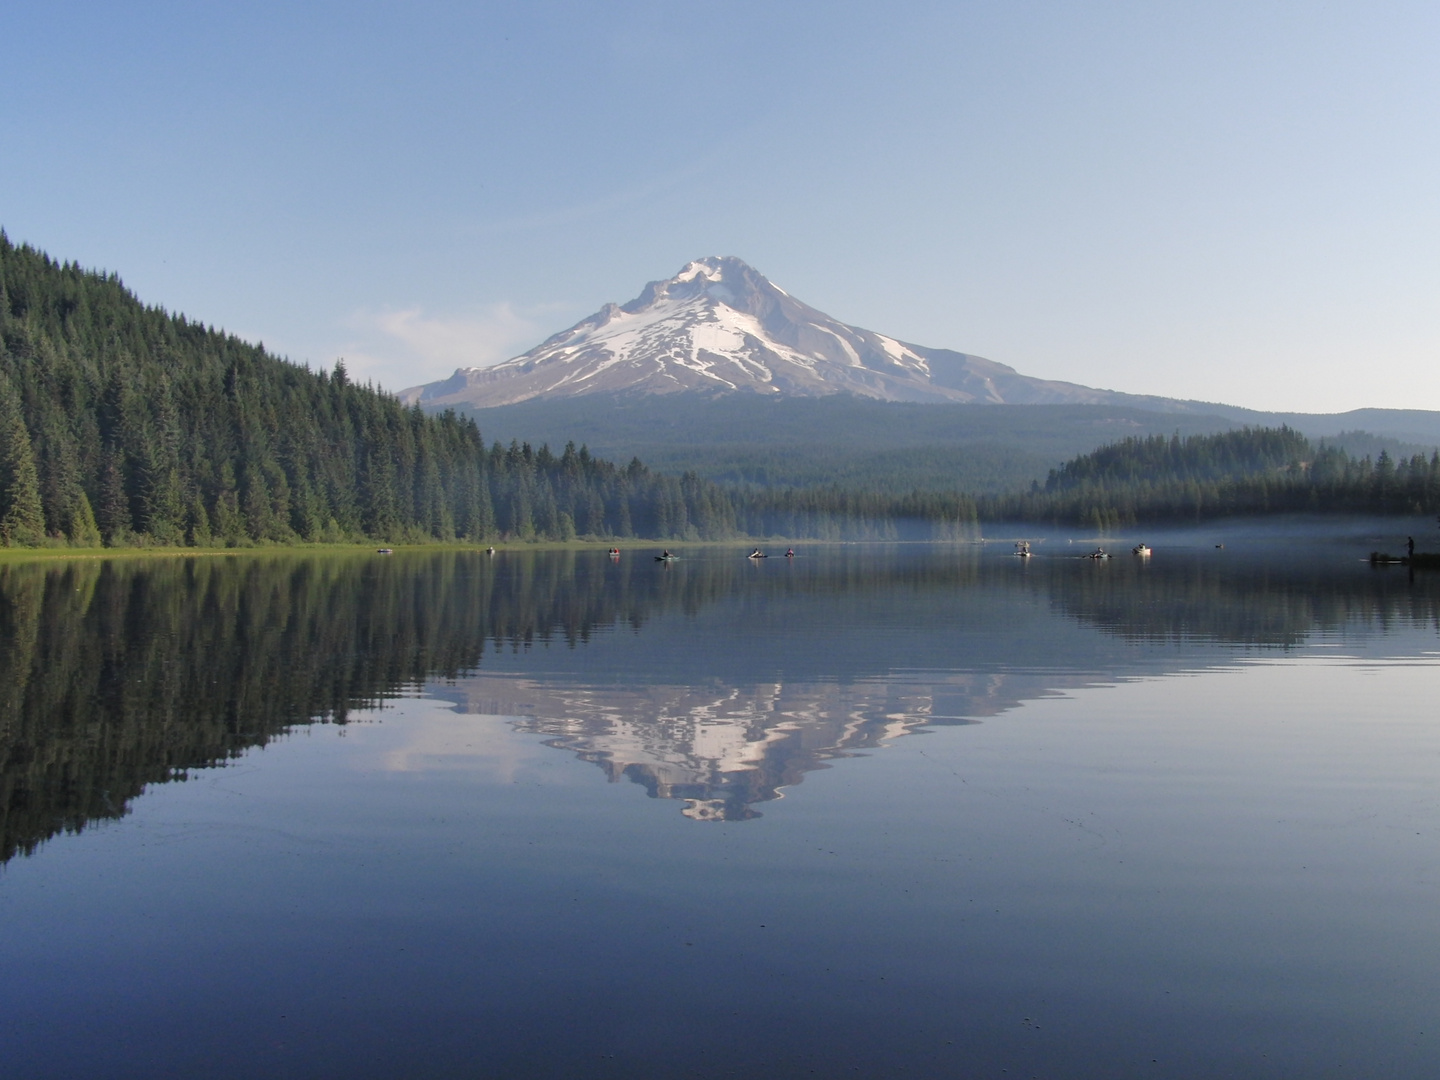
x=1098 y=553
x=665 y=556
x=1022 y=549
x=1141 y=549
x=384 y=551
x=757 y=554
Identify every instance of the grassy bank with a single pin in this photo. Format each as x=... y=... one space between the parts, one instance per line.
x=32 y=554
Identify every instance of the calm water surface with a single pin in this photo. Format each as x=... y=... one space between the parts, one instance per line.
x=874 y=812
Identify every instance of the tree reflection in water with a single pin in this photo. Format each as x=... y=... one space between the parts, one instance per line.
x=705 y=681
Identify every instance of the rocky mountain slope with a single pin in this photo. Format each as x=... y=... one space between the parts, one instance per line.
x=720 y=327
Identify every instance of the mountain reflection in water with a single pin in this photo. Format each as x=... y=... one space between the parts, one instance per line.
x=720 y=748
x=712 y=680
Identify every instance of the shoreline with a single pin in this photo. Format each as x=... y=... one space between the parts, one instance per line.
x=1266 y=529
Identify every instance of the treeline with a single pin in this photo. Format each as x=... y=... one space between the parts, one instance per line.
x=1200 y=458
x=1254 y=471
x=122 y=424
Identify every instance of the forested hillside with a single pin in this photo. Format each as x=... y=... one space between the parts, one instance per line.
x=749 y=441
x=1253 y=471
x=123 y=424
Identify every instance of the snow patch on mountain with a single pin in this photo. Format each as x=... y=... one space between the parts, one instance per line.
x=721 y=327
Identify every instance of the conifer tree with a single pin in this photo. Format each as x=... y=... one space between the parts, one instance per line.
x=115 y=522
x=22 y=518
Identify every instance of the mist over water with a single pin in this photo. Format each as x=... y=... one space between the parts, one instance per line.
x=922 y=807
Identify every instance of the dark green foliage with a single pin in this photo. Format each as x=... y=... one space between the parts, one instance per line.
x=21 y=517
x=124 y=424
x=1200 y=458
x=1253 y=471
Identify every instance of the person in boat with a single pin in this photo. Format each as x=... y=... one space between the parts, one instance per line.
x=757 y=554
x=790 y=554
x=666 y=554
x=614 y=551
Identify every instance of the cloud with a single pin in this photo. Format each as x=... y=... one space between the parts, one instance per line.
x=403 y=347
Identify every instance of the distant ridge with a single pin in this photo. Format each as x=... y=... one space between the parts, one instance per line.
x=719 y=371
x=720 y=327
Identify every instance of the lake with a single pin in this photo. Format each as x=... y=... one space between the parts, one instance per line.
x=920 y=811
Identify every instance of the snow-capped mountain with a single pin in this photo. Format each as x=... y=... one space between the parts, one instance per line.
x=720 y=327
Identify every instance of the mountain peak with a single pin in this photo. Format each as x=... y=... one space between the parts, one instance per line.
x=719 y=326
x=713 y=268
x=716 y=279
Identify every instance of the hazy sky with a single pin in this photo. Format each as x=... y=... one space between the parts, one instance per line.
x=1226 y=201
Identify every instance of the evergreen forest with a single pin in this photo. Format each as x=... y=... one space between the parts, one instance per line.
x=1245 y=473
x=124 y=425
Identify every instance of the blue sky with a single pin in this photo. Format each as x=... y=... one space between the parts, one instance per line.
x=1225 y=201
